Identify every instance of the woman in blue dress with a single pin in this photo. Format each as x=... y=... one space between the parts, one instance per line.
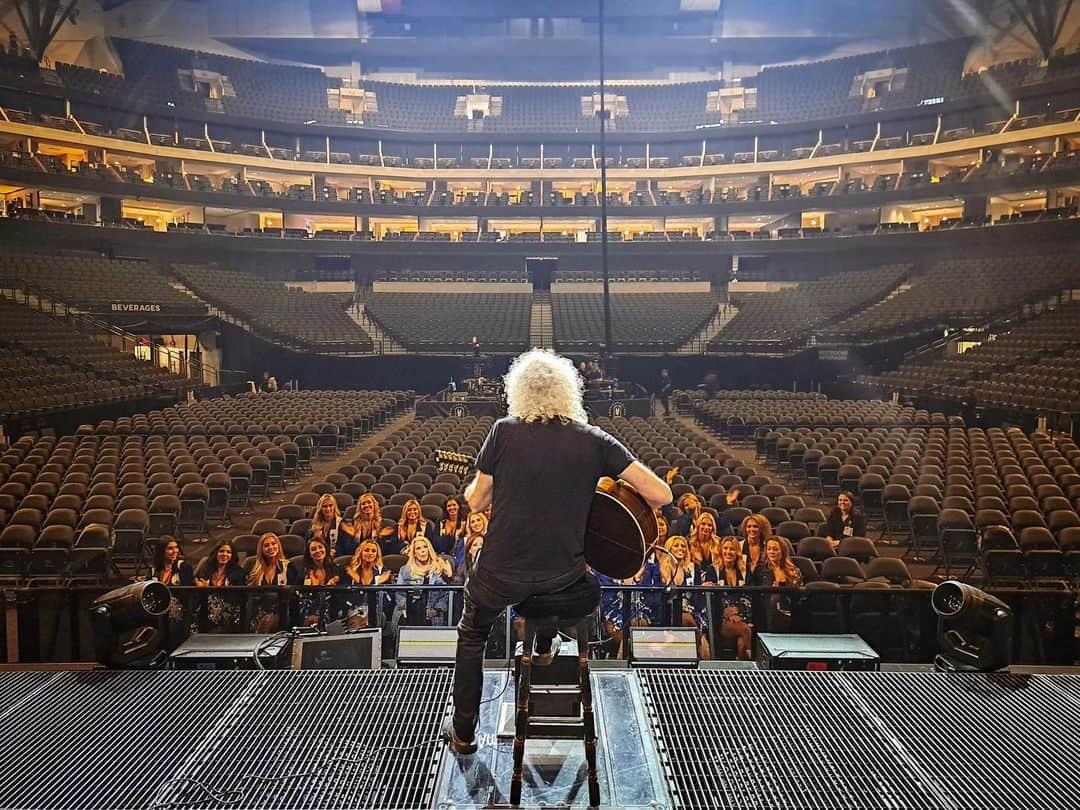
x=678 y=570
x=728 y=570
x=364 y=569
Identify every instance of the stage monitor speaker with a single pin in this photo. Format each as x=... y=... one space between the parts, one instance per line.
x=227 y=651
x=816 y=653
x=359 y=650
x=663 y=647
x=426 y=646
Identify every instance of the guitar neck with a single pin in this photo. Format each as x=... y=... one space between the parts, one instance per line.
x=451 y=461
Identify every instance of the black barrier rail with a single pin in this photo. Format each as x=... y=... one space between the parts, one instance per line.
x=51 y=624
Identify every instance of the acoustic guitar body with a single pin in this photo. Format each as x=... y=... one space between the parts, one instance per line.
x=620 y=529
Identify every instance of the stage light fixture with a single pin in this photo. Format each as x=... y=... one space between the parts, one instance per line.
x=125 y=624
x=975 y=629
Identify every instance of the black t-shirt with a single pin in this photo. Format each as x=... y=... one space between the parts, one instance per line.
x=837 y=528
x=545 y=475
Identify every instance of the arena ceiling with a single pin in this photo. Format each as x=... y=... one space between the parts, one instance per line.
x=552 y=39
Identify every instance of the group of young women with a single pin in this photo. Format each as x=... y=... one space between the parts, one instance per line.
x=701 y=551
x=702 y=558
x=338 y=554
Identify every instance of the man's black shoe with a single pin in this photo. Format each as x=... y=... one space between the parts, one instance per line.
x=457 y=743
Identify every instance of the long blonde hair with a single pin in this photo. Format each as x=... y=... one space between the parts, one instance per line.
x=542 y=385
x=718 y=558
x=699 y=553
x=667 y=562
x=479 y=516
x=356 y=565
x=259 y=568
x=410 y=556
x=317 y=522
x=403 y=524
x=363 y=529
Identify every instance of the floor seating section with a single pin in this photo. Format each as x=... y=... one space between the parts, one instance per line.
x=657 y=321
x=787 y=318
x=84 y=502
x=94 y=283
x=313 y=321
x=403 y=466
x=960 y=292
x=449 y=321
x=744 y=414
x=998 y=501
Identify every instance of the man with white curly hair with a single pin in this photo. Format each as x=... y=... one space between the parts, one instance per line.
x=538 y=469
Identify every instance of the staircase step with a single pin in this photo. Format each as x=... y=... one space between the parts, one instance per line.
x=383 y=342
x=541 y=333
x=697 y=344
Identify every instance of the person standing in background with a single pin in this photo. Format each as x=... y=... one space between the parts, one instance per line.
x=664 y=391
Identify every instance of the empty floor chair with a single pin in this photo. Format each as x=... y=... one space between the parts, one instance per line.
x=858 y=548
x=817 y=549
x=129 y=537
x=891 y=569
x=793 y=530
x=239 y=486
x=1000 y=557
x=923 y=513
x=218 y=487
x=194 y=498
x=842 y=571
x=164 y=517
x=957 y=538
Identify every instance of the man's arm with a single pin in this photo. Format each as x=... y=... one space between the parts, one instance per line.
x=478 y=493
x=650 y=486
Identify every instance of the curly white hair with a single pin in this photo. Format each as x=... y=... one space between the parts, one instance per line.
x=542 y=385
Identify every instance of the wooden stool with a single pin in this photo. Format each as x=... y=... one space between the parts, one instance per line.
x=538 y=614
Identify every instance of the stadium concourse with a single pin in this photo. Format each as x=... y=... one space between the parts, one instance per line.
x=265 y=268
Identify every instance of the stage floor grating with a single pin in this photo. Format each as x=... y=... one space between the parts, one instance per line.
x=867 y=740
x=667 y=739
x=337 y=739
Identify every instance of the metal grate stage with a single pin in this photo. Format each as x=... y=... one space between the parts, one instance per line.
x=867 y=740
x=668 y=738
x=343 y=739
x=16 y=687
